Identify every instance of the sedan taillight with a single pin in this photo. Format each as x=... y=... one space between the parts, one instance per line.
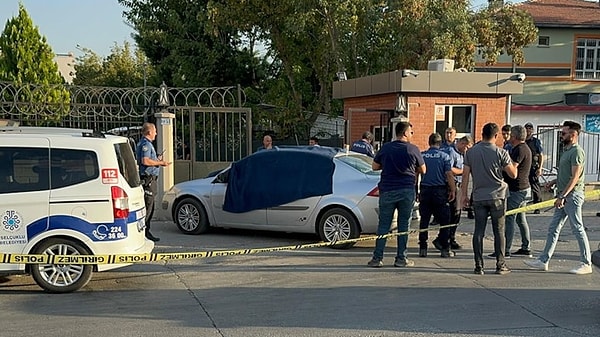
x=374 y=192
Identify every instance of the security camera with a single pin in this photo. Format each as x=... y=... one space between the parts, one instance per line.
x=521 y=78
x=408 y=72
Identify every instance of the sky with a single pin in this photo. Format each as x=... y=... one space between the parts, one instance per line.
x=92 y=24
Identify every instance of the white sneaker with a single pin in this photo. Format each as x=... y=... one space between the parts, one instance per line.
x=582 y=269
x=536 y=264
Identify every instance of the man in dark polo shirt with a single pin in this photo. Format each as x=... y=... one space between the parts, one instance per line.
x=436 y=191
x=484 y=164
x=518 y=189
x=400 y=162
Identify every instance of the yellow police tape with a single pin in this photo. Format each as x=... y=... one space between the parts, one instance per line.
x=154 y=257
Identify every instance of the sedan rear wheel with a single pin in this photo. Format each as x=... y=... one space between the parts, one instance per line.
x=61 y=278
x=191 y=217
x=338 y=224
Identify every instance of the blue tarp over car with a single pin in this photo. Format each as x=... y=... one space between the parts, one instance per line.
x=270 y=178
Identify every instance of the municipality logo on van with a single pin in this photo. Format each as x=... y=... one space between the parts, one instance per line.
x=11 y=220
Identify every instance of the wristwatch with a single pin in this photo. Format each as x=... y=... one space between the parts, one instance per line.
x=561 y=196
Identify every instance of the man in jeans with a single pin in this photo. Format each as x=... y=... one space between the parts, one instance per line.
x=518 y=189
x=569 y=184
x=485 y=163
x=400 y=162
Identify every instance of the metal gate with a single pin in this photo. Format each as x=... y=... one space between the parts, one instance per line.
x=211 y=127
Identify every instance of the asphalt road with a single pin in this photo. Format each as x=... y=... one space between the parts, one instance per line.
x=316 y=292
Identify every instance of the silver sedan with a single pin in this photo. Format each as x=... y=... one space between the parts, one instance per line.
x=349 y=209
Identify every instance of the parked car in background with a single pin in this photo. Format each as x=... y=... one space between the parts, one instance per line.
x=318 y=190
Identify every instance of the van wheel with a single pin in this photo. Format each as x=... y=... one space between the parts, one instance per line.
x=191 y=217
x=61 y=278
x=338 y=224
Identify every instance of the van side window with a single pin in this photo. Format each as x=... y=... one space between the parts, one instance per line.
x=24 y=169
x=71 y=167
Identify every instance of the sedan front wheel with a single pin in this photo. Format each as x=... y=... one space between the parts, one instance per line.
x=191 y=217
x=338 y=224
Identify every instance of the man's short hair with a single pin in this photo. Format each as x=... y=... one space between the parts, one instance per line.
x=315 y=139
x=573 y=126
x=489 y=131
x=506 y=128
x=450 y=128
x=146 y=127
x=402 y=127
x=466 y=139
x=518 y=132
x=367 y=135
x=435 y=139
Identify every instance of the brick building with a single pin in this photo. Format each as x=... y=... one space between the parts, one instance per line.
x=430 y=100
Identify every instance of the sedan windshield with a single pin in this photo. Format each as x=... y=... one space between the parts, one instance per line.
x=359 y=162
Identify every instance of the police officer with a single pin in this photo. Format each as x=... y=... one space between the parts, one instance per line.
x=437 y=189
x=456 y=154
x=364 y=145
x=149 y=164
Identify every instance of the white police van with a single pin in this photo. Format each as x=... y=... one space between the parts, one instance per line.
x=68 y=192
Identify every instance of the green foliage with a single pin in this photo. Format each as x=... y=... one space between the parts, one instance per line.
x=185 y=47
x=306 y=42
x=123 y=68
x=26 y=59
x=504 y=29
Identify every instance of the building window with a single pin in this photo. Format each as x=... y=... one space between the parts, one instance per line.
x=587 y=63
x=544 y=41
x=458 y=116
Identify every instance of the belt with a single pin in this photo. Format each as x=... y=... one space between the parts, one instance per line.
x=437 y=186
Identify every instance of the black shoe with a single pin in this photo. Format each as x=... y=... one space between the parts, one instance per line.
x=447 y=253
x=423 y=252
x=537 y=211
x=437 y=244
x=478 y=271
x=151 y=237
x=598 y=214
x=503 y=270
x=455 y=245
x=493 y=255
x=524 y=252
x=470 y=215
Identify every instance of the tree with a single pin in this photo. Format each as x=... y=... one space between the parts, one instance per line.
x=185 y=48
x=26 y=59
x=308 y=41
x=124 y=67
x=504 y=29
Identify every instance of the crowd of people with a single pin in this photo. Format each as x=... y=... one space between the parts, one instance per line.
x=501 y=179
x=453 y=175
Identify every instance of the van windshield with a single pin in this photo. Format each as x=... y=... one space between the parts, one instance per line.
x=127 y=164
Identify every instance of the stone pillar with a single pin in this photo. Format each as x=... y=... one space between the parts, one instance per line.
x=164 y=142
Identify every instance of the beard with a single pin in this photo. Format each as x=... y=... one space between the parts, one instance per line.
x=567 y=142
